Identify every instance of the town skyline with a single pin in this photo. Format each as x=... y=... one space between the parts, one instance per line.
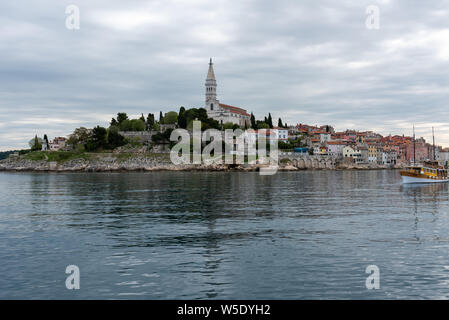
x=314 y=64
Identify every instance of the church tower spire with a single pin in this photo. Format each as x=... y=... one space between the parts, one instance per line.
x=211 y=87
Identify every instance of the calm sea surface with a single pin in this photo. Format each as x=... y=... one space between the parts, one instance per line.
x=184 y=235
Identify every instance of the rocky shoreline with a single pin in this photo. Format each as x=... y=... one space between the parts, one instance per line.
x=139 y=162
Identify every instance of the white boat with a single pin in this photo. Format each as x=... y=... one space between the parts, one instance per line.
x=430 y=172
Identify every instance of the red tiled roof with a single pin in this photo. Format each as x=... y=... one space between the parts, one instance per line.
x=234 y=109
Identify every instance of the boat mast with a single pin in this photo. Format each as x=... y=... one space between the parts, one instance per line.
x=414 y=146
x=433 y=145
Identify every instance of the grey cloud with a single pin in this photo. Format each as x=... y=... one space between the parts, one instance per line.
x=308 y=61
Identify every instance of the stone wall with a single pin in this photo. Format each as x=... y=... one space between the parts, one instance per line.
x=143 y=136
x=306 y=161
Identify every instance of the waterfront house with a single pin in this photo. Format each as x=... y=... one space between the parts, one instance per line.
x=335 y=148
x=348 y=151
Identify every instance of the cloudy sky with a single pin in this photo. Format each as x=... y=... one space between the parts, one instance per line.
x=311 y=62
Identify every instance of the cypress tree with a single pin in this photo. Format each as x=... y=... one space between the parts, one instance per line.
x=253 y=122
x=270 y=121
x=182 y=120
x=161 y=118
x=150 y=121
x=280 y=125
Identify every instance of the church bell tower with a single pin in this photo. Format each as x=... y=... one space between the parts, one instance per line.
x=212 y=103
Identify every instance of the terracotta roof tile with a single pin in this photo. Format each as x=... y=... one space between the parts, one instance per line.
x=234 y=109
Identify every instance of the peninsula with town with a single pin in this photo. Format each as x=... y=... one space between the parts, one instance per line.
x=143 y=144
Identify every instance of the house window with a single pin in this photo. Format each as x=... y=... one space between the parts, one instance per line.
x=212 y=106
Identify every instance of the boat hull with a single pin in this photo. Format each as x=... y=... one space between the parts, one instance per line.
x=407 y=179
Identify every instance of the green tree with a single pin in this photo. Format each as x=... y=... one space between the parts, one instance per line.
x=253 y=121
x=79 y=137
x=35 y=143
x=133 y=125
x=284 y=145
x=262 y=125
x=280 y=125
x=113 y=122
x=47 y=145
x=121 y=116
x=270 y=120
x=201 y=115
x=137 y=125
x=150 y=121
x=161 y=118
x=171 y=117
x=98 y=140
x=182 y=120
x=162 y=137
x=115 y=139
x=228 y=125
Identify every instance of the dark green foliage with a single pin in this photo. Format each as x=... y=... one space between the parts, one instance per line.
x=182 y=121
x=162 y=137
x=113 y=122
x=230 y=125
x=201 y=115
x=98 y=140
x=161 y=118
x=284 y=145
x=280 y=125
x=115 y=139
x=46 y=141
x=35 y=143
x=150 y=121
x=262 y=125
x=171 y=117
x=270 y=120
x=253 y=121
x=132 y=125
x=121 y=116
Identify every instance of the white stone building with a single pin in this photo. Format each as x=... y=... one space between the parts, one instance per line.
x=348 y=152
x=335 y=148
x=280 y=133
x=222 y=112
x=58 y=143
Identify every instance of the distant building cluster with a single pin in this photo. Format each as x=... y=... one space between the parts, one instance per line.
x=366 y=147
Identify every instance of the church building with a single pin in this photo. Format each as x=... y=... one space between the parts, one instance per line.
x=219 y=111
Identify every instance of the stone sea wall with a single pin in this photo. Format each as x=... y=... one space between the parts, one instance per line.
x=159 y=162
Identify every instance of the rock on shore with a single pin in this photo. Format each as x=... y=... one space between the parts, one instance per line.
x=138 y=162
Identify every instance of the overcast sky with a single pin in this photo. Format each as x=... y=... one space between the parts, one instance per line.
x=311 y=62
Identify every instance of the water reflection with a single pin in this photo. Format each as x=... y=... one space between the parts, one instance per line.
x=222 y=235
